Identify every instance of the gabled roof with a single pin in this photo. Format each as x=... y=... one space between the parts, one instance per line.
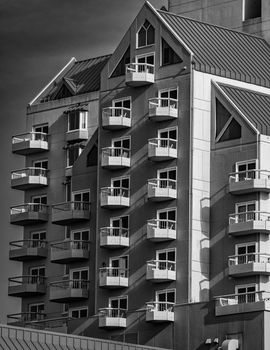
x=82 y=77
x=222 y=51
x=254 y=105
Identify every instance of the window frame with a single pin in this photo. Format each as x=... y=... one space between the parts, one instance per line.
x=246 y=203
x=38 y=233
x=39 y=196
x=137 y=35
x=40 y=161
x=118 y=298
x=112 y=258
x=120 y=178
x=79 y=269
x=81 y=230
x=81 y=114
x=79 y=308
x=167 y=170
x=81 y=192
x=166 y=210
x=244 y=12
x=165 y=291
x=240 y=245
x=43 y=125
x=68 y=157
x=119 y=218
x=166 y=250
x=168 y=129
x=148 y=54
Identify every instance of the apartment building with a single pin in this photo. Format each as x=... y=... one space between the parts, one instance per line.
x=157 y=231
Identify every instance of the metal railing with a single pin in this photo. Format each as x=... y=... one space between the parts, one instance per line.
x=70 y=245
x=113 y=272
x=140 y=68
x=162 y=224
x=242 y=298
x=116 y=152
x=163 y=143
x=249 y=216
x=31 y=171
x=116 y=112
x=112 y=312
x=28 y=243
x=70 y=284
x=28 y=208
x=155 y=102
x=248 y=258
x=161 y=265
x=30 y=136
x=25 y=317
x=160 y=306
x=114 y=232
x=162 y=183
x=249 y=175
x=26 y=279
x=72 y=206
x=115 y=192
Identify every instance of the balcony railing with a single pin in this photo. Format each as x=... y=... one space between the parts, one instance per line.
x=70 y=212
x=249 y=264
x=113 y=277
x=161 y=189
x=112 y=317
x=139 y=74
x=249 y=258
x=27 y=285
x=249 y=216
x=161 y=270
x=161 y=109
x=249 y=222
x=69 y=290
x=29 y=178
x=25 y=317
x=31 y=142
x=115 y=157
x=28 y=213
x=114 y=197
x=249 y=181
x=160 y=149
x=68 y=251
x=116 y=118
x=28 y=249
x=114 y=237
x=161 y=230
x=159 y=311
x=77 y=135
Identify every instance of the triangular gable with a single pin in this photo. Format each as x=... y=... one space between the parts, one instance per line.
x=169 y=56
x=120 y=69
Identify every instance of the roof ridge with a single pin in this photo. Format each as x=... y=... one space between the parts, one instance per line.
x=244 y=88
x=93 y=58
x=214 y=25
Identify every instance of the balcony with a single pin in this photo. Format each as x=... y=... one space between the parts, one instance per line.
x=29 y=213
x=161 y=190
x=114 y=197
x=249 y=264
x=162 y=109
x=29 y=249
x=158 y=311
x=69 y=251
x=116 y=118
x=160 y=149
x=29 y=143
x=140 y=74
x=159 y=271
x=242 y=182
x=39 y=320
x=25 y=318
x=112 y=318
x=113 y=277
x=27 y=286
x=242 y=303
x=248 y=223
x=66 y=291
x=115 y=158
x=77 y=135
x=29 y=178
x=161 y=230
x=68 y=213
x=114 y=237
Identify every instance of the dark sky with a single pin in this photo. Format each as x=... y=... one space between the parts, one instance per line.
x=37 y=38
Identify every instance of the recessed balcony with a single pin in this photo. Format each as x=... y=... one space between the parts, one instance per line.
x=162 y=109
x=77 y=135
x=242 y=303
x=25 y=318
x=115 y=158
x=249 y=264
x=116 y=118
x=27 y=286
x=248 y=223
x=66 y=291
x=161 y=230
x=29 y=178
x=68 y=213
x=29 y=213
x=114 y=197
x=140 y=74
x=160 y=149
x=29 y=143
x=114 y=237
x=113 y=277
x=112 y=318
x=158 y=311
x=65 y=252
x=160 y=271
x=161 y=190
x=242 y=182
x=30 y=249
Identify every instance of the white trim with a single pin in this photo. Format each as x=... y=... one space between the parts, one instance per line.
x=118 y=299
x=122 y=138
x=167 y=250
x=238 y=286
x=137 y=32
x=237 y=205
x=240 y=245
x=245 y=162
x=148 y=54
x=166 y=210
x=119 y=258
x=122 y=99
x=165 y=291
x=127 y=177
x=166 y=170
x=168 y=129
x=168 y=90
x=72 y=60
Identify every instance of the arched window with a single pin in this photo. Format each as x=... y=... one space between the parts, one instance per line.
x=146 y=35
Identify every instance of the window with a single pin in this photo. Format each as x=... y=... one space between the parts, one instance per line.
x=245 y=211
x=122 y=182
x=121 y=67
x=169 y=56
x=167 y=174
x=37 y=274
x=121 y=266
x=167 y=218
x=81 y=196
x=119 y=303
x=44 y=128
x=78 y=312
x=148 y=59
x=81 y=275
x=73 y=153
x=168 y=137
x=146 y=35
x=165 y=299
x=77 y=120
x=122 y=107
x=169 y=97
x=167 y=255
x=39 y=201
x=252 y=9
x=41 y=164
x=245 y=170
x=121 y=225
x=36 y=311
x=36 y=237
x=245 y=253
x=246 y=293
x=81 y=235
x=92 y=156
x=227 y=128
x=121 y=147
